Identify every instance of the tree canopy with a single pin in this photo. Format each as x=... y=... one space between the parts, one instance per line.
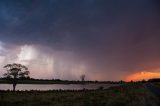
x=16 y=71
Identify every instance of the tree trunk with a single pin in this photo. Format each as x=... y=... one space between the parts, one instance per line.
x=14 y=87
x=14 y=82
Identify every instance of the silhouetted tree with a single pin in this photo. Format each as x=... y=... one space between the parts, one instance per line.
x=83 y=78
x=16 y=71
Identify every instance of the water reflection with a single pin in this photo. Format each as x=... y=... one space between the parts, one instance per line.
x=55 y=86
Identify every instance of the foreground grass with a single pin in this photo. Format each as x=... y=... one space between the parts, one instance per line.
x=157 y=84
x=126 y=95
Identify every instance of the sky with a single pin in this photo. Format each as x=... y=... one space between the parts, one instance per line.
x=64 y=39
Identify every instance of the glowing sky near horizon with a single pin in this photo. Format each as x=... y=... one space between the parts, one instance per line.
x=63 y=39
x=144 y=75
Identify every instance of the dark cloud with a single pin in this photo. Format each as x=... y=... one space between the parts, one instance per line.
x=110 y=36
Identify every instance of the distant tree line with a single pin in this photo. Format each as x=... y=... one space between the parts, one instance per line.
x=154 y=80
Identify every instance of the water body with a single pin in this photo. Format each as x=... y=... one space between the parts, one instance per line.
x=44 y=87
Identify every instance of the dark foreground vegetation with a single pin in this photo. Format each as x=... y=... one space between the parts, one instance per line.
x=132 y=94
x=157 y=84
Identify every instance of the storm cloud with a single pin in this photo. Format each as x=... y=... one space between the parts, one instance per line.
x=104 y=39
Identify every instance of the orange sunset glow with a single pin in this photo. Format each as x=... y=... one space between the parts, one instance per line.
x=143 y=75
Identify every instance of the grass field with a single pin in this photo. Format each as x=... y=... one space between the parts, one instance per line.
x=157 y=84
x=126 y=95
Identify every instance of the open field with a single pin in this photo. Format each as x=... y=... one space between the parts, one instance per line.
x=126 y=95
